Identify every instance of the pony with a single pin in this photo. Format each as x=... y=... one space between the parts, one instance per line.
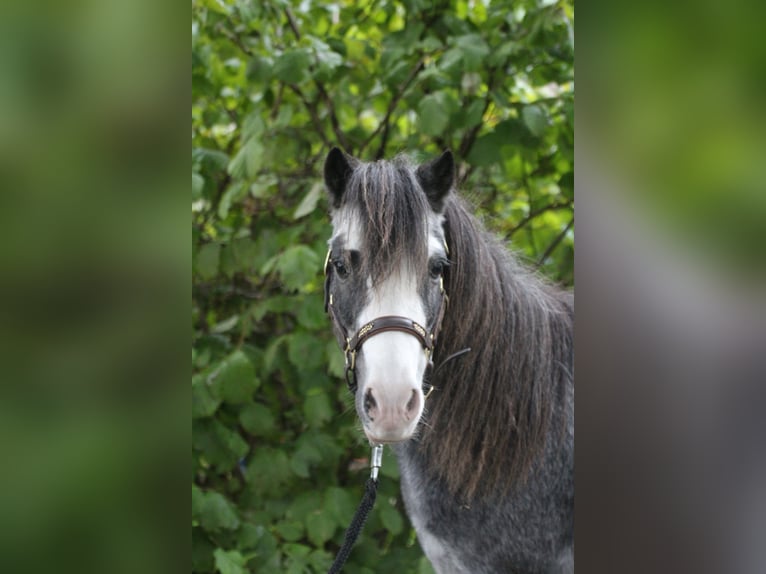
x=461 y=359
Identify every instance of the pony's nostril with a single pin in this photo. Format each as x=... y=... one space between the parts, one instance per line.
x=369 y=402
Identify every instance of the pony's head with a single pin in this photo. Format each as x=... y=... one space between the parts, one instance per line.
x=385 y=282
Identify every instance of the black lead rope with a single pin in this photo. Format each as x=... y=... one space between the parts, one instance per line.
x=357 y=523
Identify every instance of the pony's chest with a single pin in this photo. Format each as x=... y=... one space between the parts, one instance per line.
x=442 y=554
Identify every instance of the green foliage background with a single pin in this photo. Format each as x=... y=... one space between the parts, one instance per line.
x=278 y=462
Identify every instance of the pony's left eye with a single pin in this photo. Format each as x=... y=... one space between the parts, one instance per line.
x=340 y=268
x=436 y=268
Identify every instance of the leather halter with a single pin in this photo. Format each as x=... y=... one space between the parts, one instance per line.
x=384 y=324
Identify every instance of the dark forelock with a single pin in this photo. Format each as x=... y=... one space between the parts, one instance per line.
x=393 y=213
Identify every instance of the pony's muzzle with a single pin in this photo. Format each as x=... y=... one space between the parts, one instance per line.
x=391 y=414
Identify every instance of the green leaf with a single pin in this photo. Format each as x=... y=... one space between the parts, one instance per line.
x=229 y=561
x=202 y=551
x=433 y=114
x=225 y=325
x=198 y=183
x=327 y=57
x=233 y=193
x=473 y=50
x=221 y=446
x=391 y=519
x=305 y=351
x=486 y=150
x=290 y=530
x=338 y=503
x=297 y=558
x=271 y=354
x=450 y=59
x=248 y=160
x=216 y=6
x=217 y=513
x=303 y=459
x=303 y=505
x=259 y=69
x=268 y=469
x=396 y=73
x=263 y=186
x=198 y=501
x=309 y=201
x=389 y=468
x=209 y=160
x=311 y=315
x=317 y=408
x=249 y=535
x=474 y=113
x=253 y=126
x=491 y=148
x=235 y=378
x=207 y=260
x=292 y=66
x=566 y=183
x=256 y=419
x=321 y=560
x=335 y=362
x=298 y=265
x=320 y=527
x=535 y=119
x=204 y=402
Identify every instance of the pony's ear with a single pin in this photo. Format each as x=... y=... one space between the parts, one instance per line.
x=437 y=177
x=337 y=168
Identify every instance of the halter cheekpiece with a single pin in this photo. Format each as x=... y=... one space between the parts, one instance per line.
x=383 y=324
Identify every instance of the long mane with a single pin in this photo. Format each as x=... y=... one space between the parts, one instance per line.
x=497 y=407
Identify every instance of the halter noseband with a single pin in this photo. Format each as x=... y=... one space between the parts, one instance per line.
x=383 y=324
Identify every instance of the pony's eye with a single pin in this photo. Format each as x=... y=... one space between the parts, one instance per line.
x=340 y=268
x=436 y=268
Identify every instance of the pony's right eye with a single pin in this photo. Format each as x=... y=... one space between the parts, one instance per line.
x=436 y=267
x=340 y=268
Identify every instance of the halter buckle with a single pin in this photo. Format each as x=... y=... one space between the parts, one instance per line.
x=350 y=364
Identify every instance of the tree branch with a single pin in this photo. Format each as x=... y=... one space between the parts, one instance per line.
x=333 y=117
x=555 y=243
x=277 y=102
x=311 y=107
x=384 y=123
x=233 y=37
x=534 y=213
x=341 y=138
x=293 y=23
x=470 y=137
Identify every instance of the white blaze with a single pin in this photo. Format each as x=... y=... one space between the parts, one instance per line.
x=394 y=358
x=391 y=364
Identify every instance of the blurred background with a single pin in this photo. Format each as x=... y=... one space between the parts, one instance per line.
x=671 y=305
x=94 y=267
x=279 y=461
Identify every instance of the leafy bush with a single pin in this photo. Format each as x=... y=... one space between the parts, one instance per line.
x=278 y=461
